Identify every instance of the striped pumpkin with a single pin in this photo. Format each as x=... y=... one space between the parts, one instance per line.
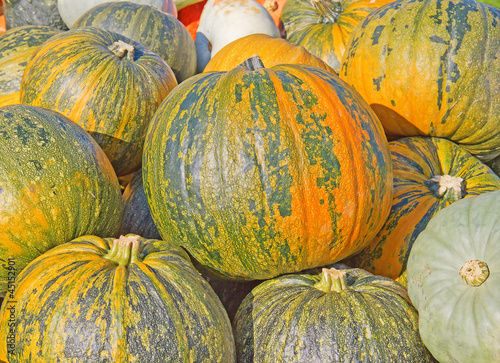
x=106 y=83
x=115 y=300
x=158 y=31
x=429 y=175
x=438 y=76
x=338 y=315
x=56 y=184
x=16 y=48
x=323 y=27
x=263 y=171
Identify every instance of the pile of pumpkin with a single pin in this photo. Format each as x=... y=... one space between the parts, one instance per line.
x=251 y=181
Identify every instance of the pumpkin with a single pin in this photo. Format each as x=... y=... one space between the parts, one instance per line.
x=338 y=315
x=228 y=20
x=323 y=27
x=190 y=16
x=136 y=215
x=429 y=174
x=272 y=51
x=437 y=76
x=32 y=12
x=16 y=48
x=129 y=299
x=263 y=171
x=453 y=281
x=56 y=184
x=106 y=83
x=159 y=32
x=71 y=10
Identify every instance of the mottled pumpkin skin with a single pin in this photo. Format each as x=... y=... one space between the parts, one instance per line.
x=415 y=160
x=323 y=27
x=75 y=305
x=288 y=319
x=267 y=171
x=438 y=76
x=56 y=184
x=158 y=31
x=16 y=47
x=112 y=98
x=32 y=12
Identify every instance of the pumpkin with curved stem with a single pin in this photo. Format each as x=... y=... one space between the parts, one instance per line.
x=129 y=299
x=262 y=171
x=106 y=83
x=338 y=315
x=429 y=175
x=56 y=184
x=453 y=281
x=437 y=76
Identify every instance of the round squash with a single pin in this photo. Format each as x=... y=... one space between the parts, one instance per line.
x=106 y=83
x=453 y=281
x=271 y=51
x=158 y=31
x=32 y=12
x=323 y=27
x=56 y=184
x=115 y=300
x=429 y=174
x=438 y=76
x=16 y=48
x=263 y=171
x=338 y=315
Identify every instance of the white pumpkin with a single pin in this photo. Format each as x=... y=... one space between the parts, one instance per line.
x=71 y=10
x=224 y=21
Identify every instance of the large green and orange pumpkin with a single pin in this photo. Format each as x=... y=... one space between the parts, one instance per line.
x=106 y=83
x=323 y=27
x=262 y=171
x=338 y=315
x=158 y=31
x=115 y=300
x=431 y=67
x=56 y=184
x=429 y=174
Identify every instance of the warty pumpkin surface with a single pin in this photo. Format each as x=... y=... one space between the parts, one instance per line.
x=56 y=184
x=116 y=300
x=32 y=12
x=262 y=171
x=108 y=84
x=429 y=174
x=431 y=67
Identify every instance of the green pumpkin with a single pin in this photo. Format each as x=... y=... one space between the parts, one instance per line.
x=158 y=31
x=263 y=171
x=453 y=281
x=338 y=315
x=32 y=12
x=56 y=184
x=106 y=83
x=115 y=300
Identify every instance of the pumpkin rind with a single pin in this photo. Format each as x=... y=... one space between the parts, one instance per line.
x=32 y=12
x=437 y=76
x=113 y=98
x=55 y=184
x=458 y=322
x=158 y=31
x=415 y=161
x=292 y=319
x=267 y=171
x=80 y=302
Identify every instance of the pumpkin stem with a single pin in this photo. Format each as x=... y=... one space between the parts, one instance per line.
x=332 y=280
x=474 y=272
x=449 y=188
x=253 y=63
x=329 y=10
x=122 y=49
x=125 y=250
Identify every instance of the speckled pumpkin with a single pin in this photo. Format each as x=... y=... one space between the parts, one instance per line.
x=115 y=300
x=106 y=83
x=262 y=171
